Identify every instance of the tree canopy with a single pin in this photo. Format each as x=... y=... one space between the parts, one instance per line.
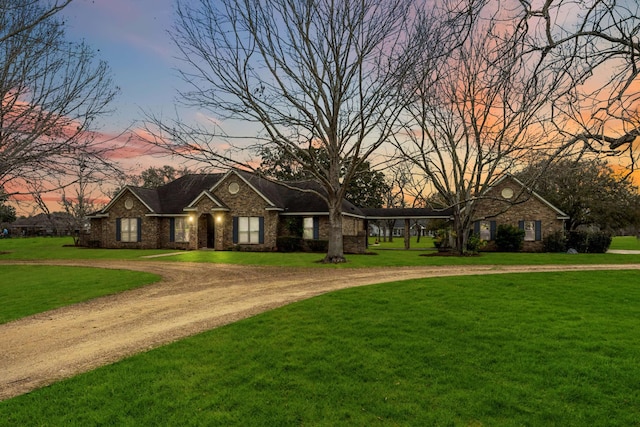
x=154 y=177
x=589 y=191
x=367 y=189
x=7 y=212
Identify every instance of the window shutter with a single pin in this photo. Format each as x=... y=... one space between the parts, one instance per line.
x=521 y=225
x=538 y=231
x=261 y=229
x=316 y=228
x=235 y=229
x=118 y=229
x=139 y=220
x=492 y=230
x=172 y=229
x=476 y=227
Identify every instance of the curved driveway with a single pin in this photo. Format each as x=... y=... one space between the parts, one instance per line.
x=191 y=297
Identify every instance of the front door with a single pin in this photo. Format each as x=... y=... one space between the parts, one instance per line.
x=211 y=238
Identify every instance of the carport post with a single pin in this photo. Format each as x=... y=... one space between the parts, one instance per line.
x=407 y=234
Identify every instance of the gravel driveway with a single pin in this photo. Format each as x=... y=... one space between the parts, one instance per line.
x=191 y=297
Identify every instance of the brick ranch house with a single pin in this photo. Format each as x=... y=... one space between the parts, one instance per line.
x=509 y=201
x=238 y=209
x=219 y=211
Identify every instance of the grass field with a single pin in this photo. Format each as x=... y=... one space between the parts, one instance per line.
x=26 y=290
x=62 y=248
x=55 y=248
x=425 y=243
x=626 y=242
x=534 y=349
x=552 y=349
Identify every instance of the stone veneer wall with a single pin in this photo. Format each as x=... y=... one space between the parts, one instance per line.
x=104 y=229
x=246 y=202
x=523 y=207
x=355 y=244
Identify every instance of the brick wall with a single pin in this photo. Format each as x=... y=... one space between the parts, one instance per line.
x=523 y=206
x=104 y=229
x=352 y=226
x=355 y=244
x=245 y=202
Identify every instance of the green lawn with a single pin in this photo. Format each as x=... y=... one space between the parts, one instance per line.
x=397 y=258
x=62 y=248
x=626 y=242
x=54 y=248
x=557 y=349
x=425 y=243
x=26 y=290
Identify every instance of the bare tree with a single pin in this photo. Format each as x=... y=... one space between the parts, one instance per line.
x=595 y=46
x=81 y=202
x=51 y=91
x=28 y=22
x=82 y=191
x=478 y=108
x=312 y=74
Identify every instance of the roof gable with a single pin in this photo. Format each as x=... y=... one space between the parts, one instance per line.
x=561 y=214
x=261 y=186
x=206 y=195
x=146 y=196
x=185 y=191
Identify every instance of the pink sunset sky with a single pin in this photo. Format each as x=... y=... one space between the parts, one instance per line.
x=131 y=36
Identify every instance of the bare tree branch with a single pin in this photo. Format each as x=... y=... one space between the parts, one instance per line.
x=595 y=44
x=479 y=109
x=51 y=92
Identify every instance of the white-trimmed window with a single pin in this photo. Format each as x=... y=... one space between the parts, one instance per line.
x=129 y=229
x=307 y=231
x=249 y=230
x=485 y=230
x=529 y=231
x=181 y=229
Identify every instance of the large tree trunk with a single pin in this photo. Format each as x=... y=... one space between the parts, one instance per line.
x=390 y=227
x=461 y=231
x=335 y=252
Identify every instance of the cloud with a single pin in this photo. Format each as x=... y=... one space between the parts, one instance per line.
x=141 y=23
x=131 y=145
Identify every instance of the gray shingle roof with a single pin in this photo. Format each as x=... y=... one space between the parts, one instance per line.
x=178 y=194
x=299 y=197
x=293 y=197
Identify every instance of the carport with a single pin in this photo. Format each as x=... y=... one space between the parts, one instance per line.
x=406 y=215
